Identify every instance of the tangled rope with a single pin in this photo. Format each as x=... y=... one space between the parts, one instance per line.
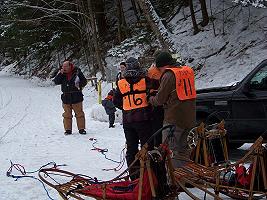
x=105 y=150
x=24 y=174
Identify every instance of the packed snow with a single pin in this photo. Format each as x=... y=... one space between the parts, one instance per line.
x=31 y=134
x=31 y=129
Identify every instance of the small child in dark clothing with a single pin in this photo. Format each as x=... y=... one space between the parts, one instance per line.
x=109 y=108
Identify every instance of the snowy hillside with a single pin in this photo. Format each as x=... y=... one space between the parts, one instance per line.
x=222 y=54
x=227 y=57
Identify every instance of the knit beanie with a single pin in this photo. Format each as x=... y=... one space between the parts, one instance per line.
x=133 y=68
x=164 y=58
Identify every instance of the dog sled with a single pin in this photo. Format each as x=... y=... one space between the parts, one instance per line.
x=213 y=176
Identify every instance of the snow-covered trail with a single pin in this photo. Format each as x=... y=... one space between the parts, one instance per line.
x=31 y=133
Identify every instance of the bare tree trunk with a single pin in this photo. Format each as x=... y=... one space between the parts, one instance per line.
x=155 y=23
x=205 y=15
x=223 y=20
x=95 y=39
x=213 y=26
x=100 y=18
x=84 y=22
x=122 y=26
x=120 y=33
x=125 y=26
x=194 y=22
x=135 y=9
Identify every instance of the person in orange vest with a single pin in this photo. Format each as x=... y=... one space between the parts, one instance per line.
x=177 y=94
x=131 y=97
x=157 y=111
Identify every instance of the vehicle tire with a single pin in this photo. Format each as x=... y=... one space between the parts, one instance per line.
x=235 y=145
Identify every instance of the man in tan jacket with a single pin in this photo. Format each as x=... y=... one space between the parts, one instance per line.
x=177 y=95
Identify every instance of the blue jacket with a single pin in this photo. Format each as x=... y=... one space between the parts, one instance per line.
x=109 y=106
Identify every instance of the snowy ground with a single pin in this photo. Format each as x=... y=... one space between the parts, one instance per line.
x=31 y=134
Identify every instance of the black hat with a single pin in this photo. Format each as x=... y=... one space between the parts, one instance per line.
x=164 y=58
x=132 y=64
x=133 y=68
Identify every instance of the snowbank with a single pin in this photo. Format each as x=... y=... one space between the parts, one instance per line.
x=98 y=113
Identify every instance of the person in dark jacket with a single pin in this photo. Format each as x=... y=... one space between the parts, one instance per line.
x=157 y=111
x=72 y=81
x=110 y=109
x=130 y=97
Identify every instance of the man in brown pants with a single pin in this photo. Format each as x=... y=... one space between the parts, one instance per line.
x=177 y=94
x=72 y=81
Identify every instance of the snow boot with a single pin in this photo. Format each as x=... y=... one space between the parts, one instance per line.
x=82 y=131
x=68 y=132
x=111 y=126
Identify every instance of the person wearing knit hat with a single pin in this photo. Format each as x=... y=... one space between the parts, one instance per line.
x=178 y=95
x=133 y=69
x=72 y=81
x=130 y=97
x=164 y=59
x=110 y=109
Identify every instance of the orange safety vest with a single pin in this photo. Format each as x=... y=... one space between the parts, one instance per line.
x=185 y=82
x=134 y=95
x=154 y=73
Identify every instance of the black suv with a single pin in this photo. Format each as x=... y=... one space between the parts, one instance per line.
x=243 y=106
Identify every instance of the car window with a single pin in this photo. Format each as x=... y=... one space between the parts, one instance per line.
x=259 y=81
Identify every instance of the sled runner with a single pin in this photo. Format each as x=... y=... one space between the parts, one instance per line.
x=77 y=186
x=120 y=188
x=233 y=180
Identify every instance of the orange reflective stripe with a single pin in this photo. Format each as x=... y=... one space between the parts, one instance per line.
x=185 y=82
x=133 y=98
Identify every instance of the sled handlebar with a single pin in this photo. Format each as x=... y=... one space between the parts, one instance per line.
x=171 y=127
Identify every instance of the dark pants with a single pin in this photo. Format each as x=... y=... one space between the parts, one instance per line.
x=111 y=118
x=179 y=146
x=135 y=132
x=158 y=116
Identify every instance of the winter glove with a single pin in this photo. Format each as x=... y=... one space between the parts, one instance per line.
x=77 y=82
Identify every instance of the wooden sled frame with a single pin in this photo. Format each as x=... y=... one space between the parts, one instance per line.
x=202 y=177
x=74 y=187
x=201 y=136
x=199 y=176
